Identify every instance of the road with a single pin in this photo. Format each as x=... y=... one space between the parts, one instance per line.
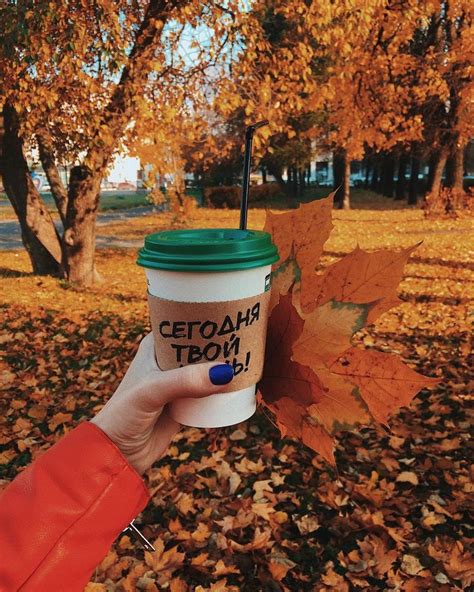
x=10 y=234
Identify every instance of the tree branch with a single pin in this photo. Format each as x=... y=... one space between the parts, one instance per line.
x=119 y=110
x=46 y=153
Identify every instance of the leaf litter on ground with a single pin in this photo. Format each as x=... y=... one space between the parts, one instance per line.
x=399 y=501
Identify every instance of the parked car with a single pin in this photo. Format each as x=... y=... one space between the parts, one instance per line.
x=108 y=185
x=356 y=181
x=126 y=186
x=468 y=182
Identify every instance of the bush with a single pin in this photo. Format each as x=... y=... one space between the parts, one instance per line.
x=263 y=192
x=222 y=197
x=229 y=197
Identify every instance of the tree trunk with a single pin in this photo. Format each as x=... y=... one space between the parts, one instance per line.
x=401 y=181
x=346 y=205
x=458 y=168
x=438 y=169
x=431 y=168
x=84 y=187
x=295 y=183
x=379 y=181
x=413 y=187
x=388 y=171
x=277 y=174
x=367 y=173
x=449 y=180
x=58 y=190
x=342 y=197
x=338 y=176
x=264 y=174
x=374 y=181
x=38 y=233
x=302 y=181
x=79 y=232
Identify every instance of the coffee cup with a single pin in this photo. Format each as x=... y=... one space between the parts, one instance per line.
x=208 y=295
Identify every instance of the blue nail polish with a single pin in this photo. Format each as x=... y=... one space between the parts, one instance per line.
x=221 y=374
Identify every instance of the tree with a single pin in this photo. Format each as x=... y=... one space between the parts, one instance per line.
x=77 y=78
x=443 y=44
x=348 y=66
x=38 y=232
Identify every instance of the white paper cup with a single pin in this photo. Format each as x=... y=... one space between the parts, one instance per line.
x=210 y=266
x=221 y=409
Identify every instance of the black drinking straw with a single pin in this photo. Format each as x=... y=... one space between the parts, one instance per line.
x=244 y=204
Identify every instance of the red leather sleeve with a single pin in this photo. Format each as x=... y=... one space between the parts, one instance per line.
x=59 y=517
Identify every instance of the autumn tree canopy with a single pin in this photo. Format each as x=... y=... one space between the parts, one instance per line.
x=175 y=82
x=79 y=81
x=374 y=76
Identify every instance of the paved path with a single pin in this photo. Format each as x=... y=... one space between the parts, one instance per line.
x=10 y=234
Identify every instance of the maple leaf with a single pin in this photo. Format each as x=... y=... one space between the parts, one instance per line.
x=328 y=331
x=299 y=247
x=315 y=382
x=385 y=382
x=360 y=277
x=288 y=387
x=161 y=560
x=282 y=376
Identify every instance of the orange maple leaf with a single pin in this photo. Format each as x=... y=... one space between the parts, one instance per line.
x=315 y=382
x=300 y=249
x=385 y=382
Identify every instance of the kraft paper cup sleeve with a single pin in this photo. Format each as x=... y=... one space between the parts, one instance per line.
x=233 y=331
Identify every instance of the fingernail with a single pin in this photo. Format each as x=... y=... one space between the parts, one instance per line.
x=221 y=374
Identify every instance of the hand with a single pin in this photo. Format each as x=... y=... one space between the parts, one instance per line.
x=135 y=417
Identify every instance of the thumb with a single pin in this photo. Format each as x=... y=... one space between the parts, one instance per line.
x=195 y=380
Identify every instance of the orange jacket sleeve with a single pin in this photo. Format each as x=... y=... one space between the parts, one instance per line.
x=59 y=517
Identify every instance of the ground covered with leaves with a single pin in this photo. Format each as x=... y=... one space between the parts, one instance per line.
x=238 y=508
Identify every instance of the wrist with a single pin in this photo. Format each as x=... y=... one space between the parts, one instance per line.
x=100 y=422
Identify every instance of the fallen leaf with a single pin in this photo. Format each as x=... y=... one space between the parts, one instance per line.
x=178 y=585
x=37 y=412
x=161 y=560
x=411 y=565
x=202 y=533
x=59 y=419
x=185 y=504
x=221 y=569
x=261 y=540
x=307 y=524
x=279 y=567
x=264 y=510
x=460 y=564
x=260 y=488
x=237 y=435
x=408 y=477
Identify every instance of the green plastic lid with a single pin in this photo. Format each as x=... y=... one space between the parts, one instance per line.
x=213 y=249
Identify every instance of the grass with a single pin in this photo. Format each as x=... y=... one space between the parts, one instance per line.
x=108 y=201
x=441 y=264
x=360 y=199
